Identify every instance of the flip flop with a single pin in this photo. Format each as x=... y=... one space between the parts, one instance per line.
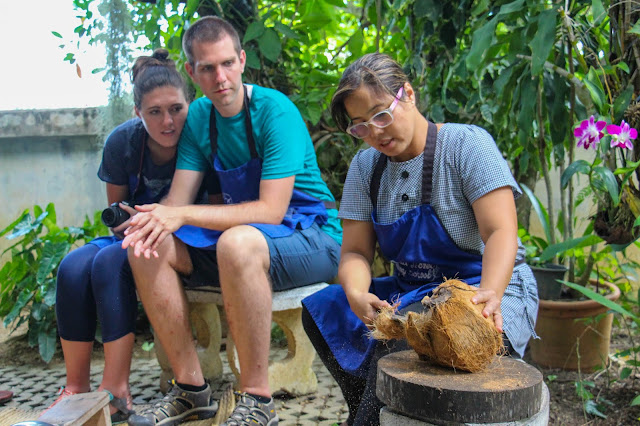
x=5 y=395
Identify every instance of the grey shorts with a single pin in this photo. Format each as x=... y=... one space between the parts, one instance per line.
x=307 y=256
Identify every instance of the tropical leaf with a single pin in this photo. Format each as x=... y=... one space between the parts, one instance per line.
x=47 y=344
x=269 y=45
x=555 y=249
x=52 y=254
x=596 y=297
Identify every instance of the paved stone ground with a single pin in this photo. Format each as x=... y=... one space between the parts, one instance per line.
x=35 y=388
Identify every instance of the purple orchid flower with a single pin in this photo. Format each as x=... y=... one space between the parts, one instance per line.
x=621 y=135
x=589 y=132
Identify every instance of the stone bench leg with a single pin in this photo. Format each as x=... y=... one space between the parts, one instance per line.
x=205 y=321
x=294 y=373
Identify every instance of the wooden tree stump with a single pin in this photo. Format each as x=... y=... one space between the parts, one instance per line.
x=508 y=390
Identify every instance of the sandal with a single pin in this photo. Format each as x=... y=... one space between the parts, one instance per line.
x=5 y=395
x=62 y=393
x=122 y=405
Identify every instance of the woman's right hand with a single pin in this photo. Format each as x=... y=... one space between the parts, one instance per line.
x=118 y=231
x=366 y=306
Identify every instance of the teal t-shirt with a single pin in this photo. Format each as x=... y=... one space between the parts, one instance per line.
x=282 y=141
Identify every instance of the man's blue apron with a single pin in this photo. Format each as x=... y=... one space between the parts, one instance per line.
x=140 y=194
x=242 y=184
x=423 y=254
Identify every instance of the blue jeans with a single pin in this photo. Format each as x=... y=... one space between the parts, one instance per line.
x=306 y=257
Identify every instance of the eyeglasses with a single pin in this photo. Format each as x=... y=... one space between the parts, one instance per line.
x=380 y=120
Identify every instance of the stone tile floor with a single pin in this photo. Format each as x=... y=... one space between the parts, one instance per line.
x=35 y=388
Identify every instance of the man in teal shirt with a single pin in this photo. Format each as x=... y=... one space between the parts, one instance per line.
x=274 y=226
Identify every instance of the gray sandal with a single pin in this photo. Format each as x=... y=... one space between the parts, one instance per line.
x=123 y=413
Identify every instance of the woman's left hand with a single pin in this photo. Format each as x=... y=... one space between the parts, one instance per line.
x=492 y=305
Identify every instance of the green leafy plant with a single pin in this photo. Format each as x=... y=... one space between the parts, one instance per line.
x=28 y=278
x=627 y=308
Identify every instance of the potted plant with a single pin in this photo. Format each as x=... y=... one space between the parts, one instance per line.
x=586 y=324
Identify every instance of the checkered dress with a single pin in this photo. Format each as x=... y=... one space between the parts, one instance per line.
x=467 y=165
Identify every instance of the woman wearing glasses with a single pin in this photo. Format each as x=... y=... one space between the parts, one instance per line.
x=439 y=200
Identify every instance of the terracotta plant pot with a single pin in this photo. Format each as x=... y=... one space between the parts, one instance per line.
x=570 y=338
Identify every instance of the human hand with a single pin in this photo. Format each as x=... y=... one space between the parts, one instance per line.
x=118 y=231
x=149 y=227
x=366 y=306
x=492 y=305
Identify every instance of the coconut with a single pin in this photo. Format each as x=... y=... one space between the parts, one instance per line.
x=451 y=331
x=388 y=325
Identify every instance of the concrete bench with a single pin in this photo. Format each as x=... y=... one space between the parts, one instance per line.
x=292 y=375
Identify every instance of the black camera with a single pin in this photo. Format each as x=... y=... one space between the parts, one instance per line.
x=113 y=215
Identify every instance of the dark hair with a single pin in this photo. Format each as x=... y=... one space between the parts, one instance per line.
x=375 y=70
x=150 y=72
x=209 y=29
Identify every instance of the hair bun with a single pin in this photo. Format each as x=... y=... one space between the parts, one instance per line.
x=160 y=54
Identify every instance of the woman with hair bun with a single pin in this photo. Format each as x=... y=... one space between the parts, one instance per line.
x=439 y=201
x=95 y=282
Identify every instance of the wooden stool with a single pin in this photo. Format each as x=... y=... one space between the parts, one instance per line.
x=91 y=409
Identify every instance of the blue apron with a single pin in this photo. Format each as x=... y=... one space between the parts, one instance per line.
x=423 y=254
x=140 y=194
x=242 y=184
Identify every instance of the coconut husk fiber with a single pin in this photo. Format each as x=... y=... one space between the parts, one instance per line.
x=450 y=332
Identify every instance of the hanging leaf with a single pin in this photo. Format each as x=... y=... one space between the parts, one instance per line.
x=254 y=30
x=47 y=344
x=622 y=102
x=482 y=39
x=428 y=8
x=479 y=7
x=269 y=45
x=635 y=29
x=355 y=42
x=598 y=11
x=609 y=181
x=543 y=41
x=578 y=166
x=543 y=216
x=315 y=112
x=286 y=31
x=594 y=86
x=515 y=6
x=192 y=7
x=57 y=34
x=253 y=61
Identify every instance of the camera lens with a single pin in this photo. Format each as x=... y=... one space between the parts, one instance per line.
x=113 y=216
x=108 y=216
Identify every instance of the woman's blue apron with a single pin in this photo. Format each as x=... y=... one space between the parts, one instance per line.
x=140 y=194
x=242 y=184
x=423 y=254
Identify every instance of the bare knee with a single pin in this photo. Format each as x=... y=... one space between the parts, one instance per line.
x=171 y=252
x=243 y=247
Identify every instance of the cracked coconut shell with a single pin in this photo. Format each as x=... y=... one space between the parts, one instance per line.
x=450 y=332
